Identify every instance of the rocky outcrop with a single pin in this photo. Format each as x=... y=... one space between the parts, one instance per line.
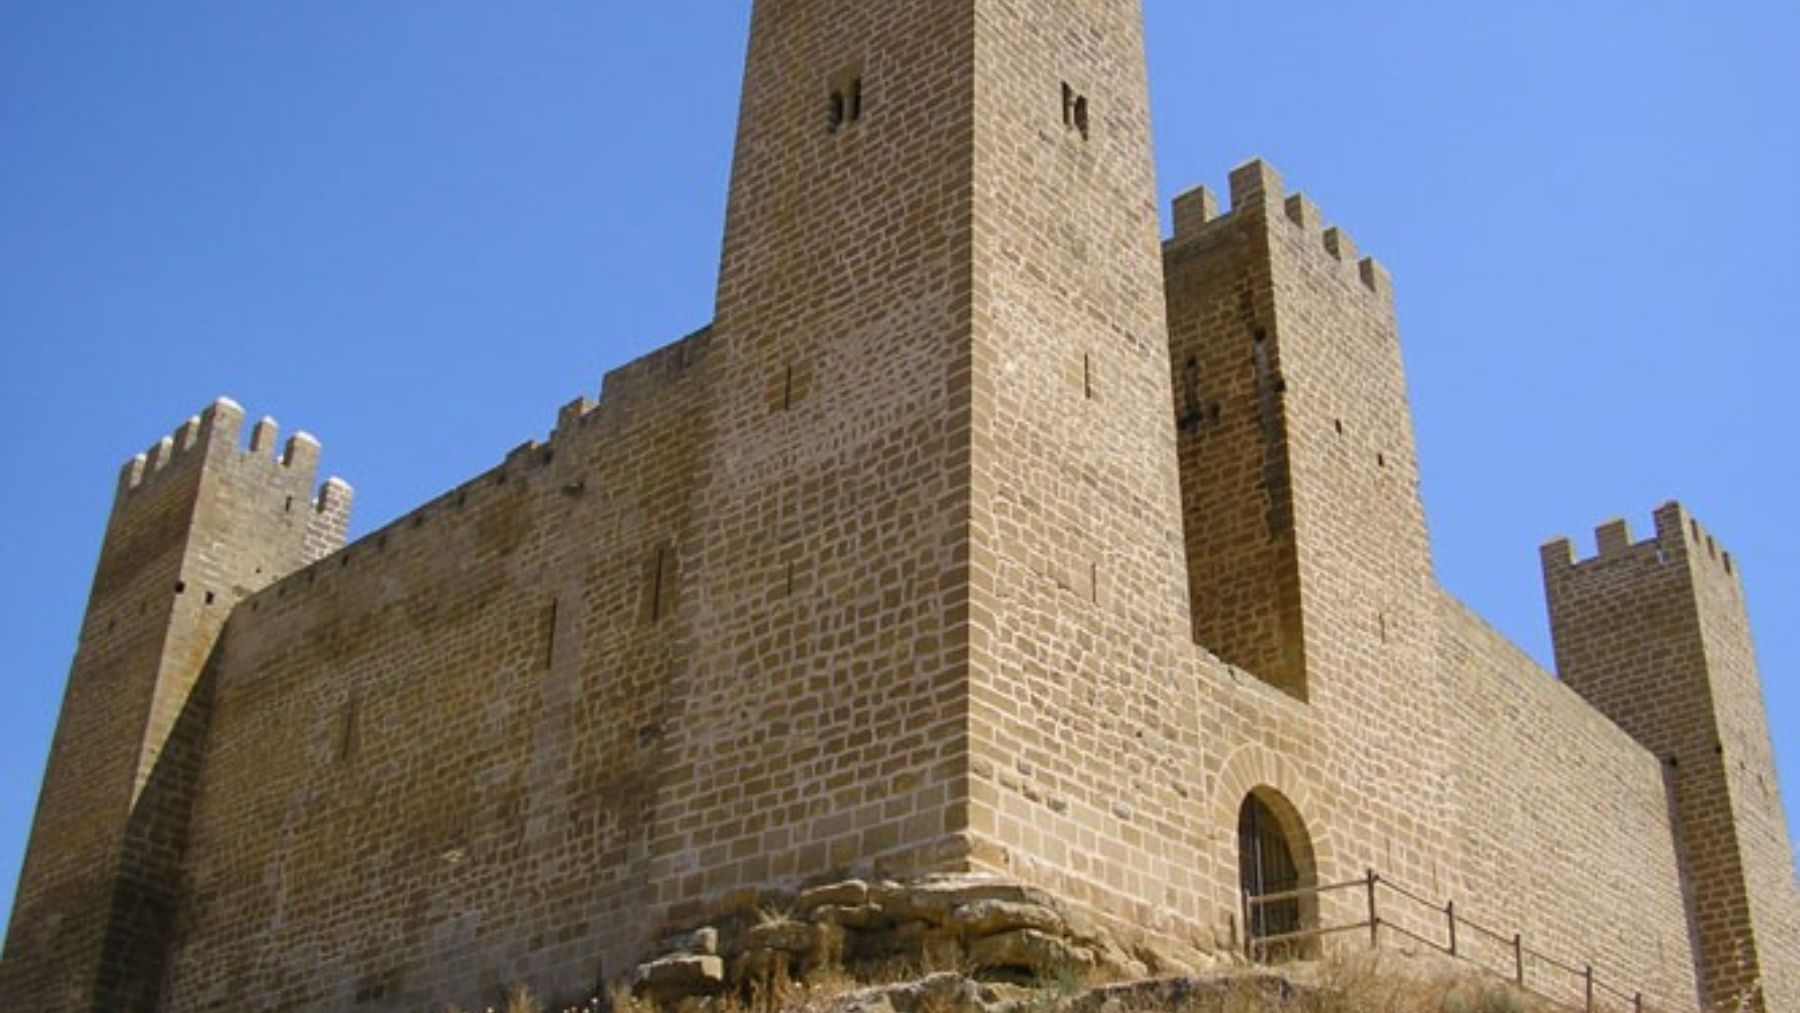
x=974 y=925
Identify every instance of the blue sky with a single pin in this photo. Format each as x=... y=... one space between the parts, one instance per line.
x=414 y=229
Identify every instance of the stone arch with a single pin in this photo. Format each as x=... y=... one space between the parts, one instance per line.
x=1254 y=771
x=1275 y=857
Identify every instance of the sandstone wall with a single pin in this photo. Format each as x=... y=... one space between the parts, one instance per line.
x=962 y=540
x=198 y=522
x=436 y=758
x=1080 y=777
x=1655 y=634
x=1562 y=825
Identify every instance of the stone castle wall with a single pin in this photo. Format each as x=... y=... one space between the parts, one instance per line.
x=436 y=759
x=199 y=521
x=980 y=533
x=1561 y=825
x=1655 y=635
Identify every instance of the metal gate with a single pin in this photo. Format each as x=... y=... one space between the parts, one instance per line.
x=1266 y=866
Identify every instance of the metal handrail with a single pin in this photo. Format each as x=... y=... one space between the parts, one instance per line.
x=1373 y=882
x=1258 y=900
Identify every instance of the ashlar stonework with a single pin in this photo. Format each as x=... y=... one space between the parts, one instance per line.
x=994 y=581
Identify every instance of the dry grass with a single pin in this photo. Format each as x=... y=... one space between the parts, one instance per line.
x=1355 y=984
x=1333 y=986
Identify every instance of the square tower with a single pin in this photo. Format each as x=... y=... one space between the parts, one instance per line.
x=1655 y=635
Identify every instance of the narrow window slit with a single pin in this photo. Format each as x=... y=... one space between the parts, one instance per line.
x=659 y=597
x=845 y=105
x=656 y=579
x=550 y=634
x=1074 y=110
x=349 y=738
x=1192 y=414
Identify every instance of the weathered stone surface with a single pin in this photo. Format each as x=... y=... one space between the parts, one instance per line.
x=935 y=899
x=699 y=942
x=944 y=992
x=793 y=937
x=853 y=893
x=866 y=917
x=674 y=977
x=987 y=917
x=1029 y=949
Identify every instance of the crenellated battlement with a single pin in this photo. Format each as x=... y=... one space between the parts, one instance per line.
x=216 y=435
x=1257 y=188
x=1679 y=537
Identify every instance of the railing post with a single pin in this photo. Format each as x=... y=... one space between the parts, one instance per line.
x=1589 y=975
x=1450 y=910
x=1519 y=958
x=1244 y=905
x=1374 y=918
x=1637 y=1003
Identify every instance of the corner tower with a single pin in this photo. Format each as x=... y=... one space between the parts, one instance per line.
x=197 y=524
x=1655 y=635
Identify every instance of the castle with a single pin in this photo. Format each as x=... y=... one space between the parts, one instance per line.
x=983 y=531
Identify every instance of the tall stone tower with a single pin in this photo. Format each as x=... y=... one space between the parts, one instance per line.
x=1308 y=561
x=1655 y=635
x=941 y=391
x=198 y=524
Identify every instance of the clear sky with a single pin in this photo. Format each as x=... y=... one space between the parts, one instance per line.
x=415 y=228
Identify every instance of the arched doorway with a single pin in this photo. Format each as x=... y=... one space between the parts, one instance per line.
x=1275 y=860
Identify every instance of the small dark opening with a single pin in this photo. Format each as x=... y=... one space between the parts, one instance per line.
x=181 y=587
x=838 y=111
x=1191 y=412
x=1338 y=424
x=659 y=567
x=210 y=598
x=550 y=635
x=1074 y=110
